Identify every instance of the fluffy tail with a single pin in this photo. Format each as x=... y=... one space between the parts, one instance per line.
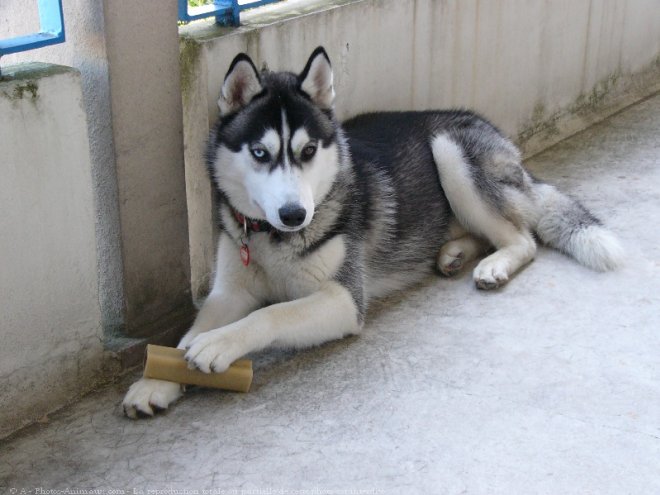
x=566 y=225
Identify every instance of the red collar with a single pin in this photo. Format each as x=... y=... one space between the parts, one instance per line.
x=251 y=224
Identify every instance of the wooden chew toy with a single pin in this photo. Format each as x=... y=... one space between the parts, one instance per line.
x=167 y=363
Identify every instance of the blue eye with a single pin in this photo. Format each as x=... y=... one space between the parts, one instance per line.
x=260 y=154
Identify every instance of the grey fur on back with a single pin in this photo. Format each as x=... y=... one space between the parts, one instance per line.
x=392 y=155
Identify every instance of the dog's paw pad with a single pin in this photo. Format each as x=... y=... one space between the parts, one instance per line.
x=139 y=414
x=490 y=275
x=147 y=397
x=450 y=265
x=484 y=284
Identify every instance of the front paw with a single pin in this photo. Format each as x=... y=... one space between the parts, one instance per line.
x=214 y=351
x=147 y=396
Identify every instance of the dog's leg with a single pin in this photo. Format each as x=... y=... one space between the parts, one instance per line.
x=517 y=248
x=227 y=302
x=148 y=395
x=514 y=246
x=327 y=314
x=220 y=308
x=457 y=253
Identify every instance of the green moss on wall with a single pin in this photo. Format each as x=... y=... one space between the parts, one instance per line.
x=21 y=82
x=540 y=122
x=606 y=96
x=22 y=90
x=33 y=71
x=19 y=91
x=189 y=50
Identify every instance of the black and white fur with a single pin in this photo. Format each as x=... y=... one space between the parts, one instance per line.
x=357 y=211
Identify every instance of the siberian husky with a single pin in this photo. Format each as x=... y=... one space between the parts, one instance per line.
x=318 y=218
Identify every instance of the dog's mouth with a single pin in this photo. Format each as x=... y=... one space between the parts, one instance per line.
x=284 y=228
x=281 y=227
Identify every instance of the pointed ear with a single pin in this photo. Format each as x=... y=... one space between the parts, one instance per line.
x=316 y=79
x=241 y=84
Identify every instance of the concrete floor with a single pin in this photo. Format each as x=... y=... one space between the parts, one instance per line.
x=550 y=385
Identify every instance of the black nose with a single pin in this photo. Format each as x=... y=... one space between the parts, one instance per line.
x=292 y=214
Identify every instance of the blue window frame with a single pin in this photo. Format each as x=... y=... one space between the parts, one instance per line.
x=226 y=12
x=51 y=30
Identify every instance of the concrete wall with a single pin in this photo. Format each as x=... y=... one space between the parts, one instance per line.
x=50 y=319
x=142 y=48
x=126 y=52
x=127 y=56
x=539 y=70
x=85 y=49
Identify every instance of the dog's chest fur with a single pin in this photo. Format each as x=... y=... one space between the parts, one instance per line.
x=277 y=271
x=289 y=276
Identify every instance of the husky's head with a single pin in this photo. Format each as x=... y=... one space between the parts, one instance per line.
x=275 y=152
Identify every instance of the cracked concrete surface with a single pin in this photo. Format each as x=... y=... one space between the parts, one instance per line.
x=550 y=385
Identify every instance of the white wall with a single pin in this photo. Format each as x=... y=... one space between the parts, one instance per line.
x=85 y=50
x=127 y=53
x=50 y=319
x=540 y=70
x=505 y=58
